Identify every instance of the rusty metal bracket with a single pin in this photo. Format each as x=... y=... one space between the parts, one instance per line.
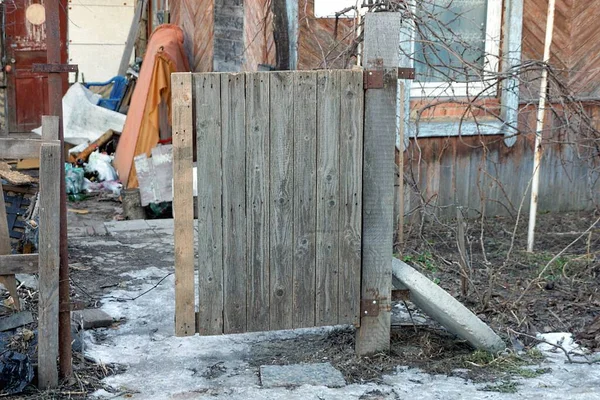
x=54 y=68
x=369 y=307
x=373 y=79
x=406 y=73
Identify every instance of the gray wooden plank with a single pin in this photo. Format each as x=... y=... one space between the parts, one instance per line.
x=11 y=264
x=207 y=97
x=350 y=219
x=281 y=210
x=183 y=211
x=305 y=197
x=19 y=148
x=50 y=125
x=140 y=10
x=257 y=200
x=233 y=120
x=377 y=230
x=328 y=196
x=382 y=33
x=49 y=241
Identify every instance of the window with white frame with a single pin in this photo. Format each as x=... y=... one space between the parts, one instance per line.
x=456 y=47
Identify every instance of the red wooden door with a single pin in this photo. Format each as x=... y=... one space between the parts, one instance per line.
x=25 y=44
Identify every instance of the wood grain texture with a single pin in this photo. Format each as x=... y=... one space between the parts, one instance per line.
x=233 y=120
x=575 y=50
x=257 y=200
x=305 y=197
x=11 y=264
x=207 y=98
x=382 y=33
x=281 y=209
x=13 y=149
x=328 y=196
x=49 y=241
x=183 y=212
x=350 y=219
x=196 y=19
x=50 y=125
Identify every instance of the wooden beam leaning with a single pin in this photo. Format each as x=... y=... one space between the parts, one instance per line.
x=381 y=48
x=49 y=242
x=183 y=204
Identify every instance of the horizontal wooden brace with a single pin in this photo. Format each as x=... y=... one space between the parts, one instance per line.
x=54 y=68
x=19 y=264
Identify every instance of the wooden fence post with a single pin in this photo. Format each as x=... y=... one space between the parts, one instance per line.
x=381 y=52
x=49 y=242
x=183 y=204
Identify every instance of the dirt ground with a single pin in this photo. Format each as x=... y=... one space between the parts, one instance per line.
x=553 y=289
x=509 y=289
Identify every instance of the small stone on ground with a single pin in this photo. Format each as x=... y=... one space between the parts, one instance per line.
x=301 y=374
x=91 y=318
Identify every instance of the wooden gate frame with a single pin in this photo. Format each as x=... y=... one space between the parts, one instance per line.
x=46 y=263
x=381 y=56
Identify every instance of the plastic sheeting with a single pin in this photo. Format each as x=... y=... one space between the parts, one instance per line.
x=84 y=121
x=165 y=55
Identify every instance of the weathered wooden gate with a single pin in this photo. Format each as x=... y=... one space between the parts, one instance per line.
x=295 y=197
x=279 y=160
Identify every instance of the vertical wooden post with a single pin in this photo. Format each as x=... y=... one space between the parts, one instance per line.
x=49 y=261
x=9 y=281
x=381 y=50
x=183 y=204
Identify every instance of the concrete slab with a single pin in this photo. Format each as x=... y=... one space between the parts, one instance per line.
x=323 y=374
x=124 y=226
x=445 y=309
x=91 y=318
x=160 y=223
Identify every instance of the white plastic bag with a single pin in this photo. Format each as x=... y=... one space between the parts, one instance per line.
x=102 y=165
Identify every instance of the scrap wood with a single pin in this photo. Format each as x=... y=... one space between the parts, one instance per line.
x=28 y=163
x=14 y=177
x=77 y=211
x=101 y=141
x=16 y=320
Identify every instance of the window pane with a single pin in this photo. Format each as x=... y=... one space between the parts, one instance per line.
x=450 y=40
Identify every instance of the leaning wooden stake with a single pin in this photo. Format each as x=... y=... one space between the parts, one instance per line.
x=535 y=182
x=381 y=49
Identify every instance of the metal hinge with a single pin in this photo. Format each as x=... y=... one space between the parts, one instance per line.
x=369 y=307
x=406 y=73
x=373 y=78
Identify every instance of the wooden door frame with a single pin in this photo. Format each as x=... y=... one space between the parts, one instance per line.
x=9 y=88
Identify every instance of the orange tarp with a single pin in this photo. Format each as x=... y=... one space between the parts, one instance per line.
x=165 y=55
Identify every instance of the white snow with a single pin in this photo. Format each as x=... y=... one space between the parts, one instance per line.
x=162 y=366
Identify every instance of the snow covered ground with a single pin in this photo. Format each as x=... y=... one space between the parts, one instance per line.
x=162 y=366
